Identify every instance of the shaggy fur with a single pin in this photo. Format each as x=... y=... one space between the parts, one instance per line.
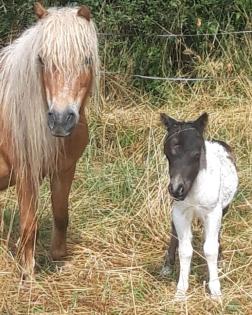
x=62 y=40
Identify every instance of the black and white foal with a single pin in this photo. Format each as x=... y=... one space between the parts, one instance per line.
x=203 y=182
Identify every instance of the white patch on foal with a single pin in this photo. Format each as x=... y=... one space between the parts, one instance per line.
x=213 y=190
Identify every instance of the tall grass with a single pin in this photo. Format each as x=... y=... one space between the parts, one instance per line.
x=120 y=213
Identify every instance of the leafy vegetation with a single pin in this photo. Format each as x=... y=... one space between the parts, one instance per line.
x=131 y=45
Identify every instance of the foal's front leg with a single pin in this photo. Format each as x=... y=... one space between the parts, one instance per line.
x=27 y=198
x=170 y=253
x=212 y=224
x=182 y=221
x=60 y=187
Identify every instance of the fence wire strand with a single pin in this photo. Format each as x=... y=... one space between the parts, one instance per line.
x=176 y=35
x=170 y=35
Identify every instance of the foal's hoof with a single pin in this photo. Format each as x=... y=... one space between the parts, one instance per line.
x=215 y=290
x=180 y=296
x=166 y=271
x=216 y=297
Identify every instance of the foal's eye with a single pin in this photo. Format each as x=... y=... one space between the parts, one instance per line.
x=175 y=149
x=196 y=155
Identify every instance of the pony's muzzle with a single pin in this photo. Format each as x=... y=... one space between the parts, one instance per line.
x=61 y=124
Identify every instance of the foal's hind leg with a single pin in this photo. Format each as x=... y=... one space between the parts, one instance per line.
x=220 y=255
x=60 y=187
x=170 y=253
x=212 y=224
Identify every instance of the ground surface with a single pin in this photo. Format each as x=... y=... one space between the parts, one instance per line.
x=119 y=215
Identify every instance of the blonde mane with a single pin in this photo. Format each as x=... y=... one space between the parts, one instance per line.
x=62 y=40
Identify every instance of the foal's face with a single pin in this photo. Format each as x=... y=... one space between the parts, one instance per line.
x=183 y=147
x=65 y=98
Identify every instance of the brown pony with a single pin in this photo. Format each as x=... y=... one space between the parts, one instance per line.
x=46 y=77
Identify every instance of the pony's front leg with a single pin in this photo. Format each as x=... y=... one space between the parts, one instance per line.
x=182 y=222
x=60 y=187
x=27 y=198
x=212 y=224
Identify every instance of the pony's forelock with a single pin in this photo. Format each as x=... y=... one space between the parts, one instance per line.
x=73 y=46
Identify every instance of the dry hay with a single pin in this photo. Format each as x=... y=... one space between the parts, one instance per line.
x=119 y=216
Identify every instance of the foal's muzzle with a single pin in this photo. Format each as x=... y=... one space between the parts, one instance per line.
x=61 y=124
x=177 y=191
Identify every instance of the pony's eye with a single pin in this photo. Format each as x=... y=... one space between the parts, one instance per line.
x=88 y=61
x=41 y=61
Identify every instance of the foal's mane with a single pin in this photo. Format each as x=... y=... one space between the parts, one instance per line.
x=62 y=40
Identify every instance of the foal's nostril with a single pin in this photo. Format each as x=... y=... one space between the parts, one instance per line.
x=176 y=192
x=180 y=189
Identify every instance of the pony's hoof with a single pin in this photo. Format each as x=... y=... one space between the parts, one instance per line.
x=165 y=271
x=180 y=296
x=58 y=254
x=27 y=279
x=28 y=275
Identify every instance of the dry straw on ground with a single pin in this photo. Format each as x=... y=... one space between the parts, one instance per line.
x=119 y=215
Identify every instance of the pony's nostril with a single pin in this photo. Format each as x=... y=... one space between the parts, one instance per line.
x=70 y=117
x=51 y=119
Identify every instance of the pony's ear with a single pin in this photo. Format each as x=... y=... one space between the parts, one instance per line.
x=84 y=12
x=167 y=121
x=201 y=122
x=39 y=10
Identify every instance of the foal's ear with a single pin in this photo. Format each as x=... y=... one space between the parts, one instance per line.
x=39 y=10
x=84 y=12
x=167 y=121
x=201 y=122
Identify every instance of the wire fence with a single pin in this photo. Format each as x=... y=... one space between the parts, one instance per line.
x=176 y=35
x=170 y=35
x=175 y=79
